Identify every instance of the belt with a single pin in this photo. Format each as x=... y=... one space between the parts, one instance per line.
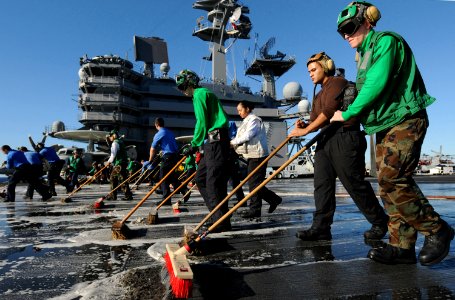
x=217 y=135
x=348 y=128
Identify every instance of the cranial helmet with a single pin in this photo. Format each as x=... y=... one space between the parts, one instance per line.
x=185 y=79
x=325 y=61
x=353 y=15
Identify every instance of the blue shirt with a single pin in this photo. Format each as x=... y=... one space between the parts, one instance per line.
x=33 y=158
x=49 y=154
x=15 y=159
x=165 y=139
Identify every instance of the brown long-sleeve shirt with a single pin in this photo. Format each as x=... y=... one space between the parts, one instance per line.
x=329 y=99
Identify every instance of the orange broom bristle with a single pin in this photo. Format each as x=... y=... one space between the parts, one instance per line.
x=181 y=288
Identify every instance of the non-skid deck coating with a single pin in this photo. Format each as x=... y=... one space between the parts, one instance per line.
x=66 y=251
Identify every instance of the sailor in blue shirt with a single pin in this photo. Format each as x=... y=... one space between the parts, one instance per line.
x=16 y=160
x=164 y=139
x=34 y=160
x=55 y=168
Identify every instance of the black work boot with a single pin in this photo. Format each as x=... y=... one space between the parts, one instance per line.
x=314 y=234
x=376 y=232
x=274 y=204
x=250 y=213
x=391 y=255
x=128 y=197
x=436 y=246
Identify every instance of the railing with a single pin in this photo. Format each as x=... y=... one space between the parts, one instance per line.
x=107 y=117
x=92 y=99
x=112 y=80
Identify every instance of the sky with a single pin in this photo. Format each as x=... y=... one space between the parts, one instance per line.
x=42 y=42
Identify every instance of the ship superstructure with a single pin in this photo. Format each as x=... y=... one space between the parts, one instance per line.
x=114 y=95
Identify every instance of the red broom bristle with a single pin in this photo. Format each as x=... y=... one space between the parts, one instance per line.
x=181 y=288
x=177 y=210
x=98 y=204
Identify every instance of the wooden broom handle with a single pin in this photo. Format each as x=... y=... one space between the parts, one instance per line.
x=124 y=181
x=243 y=182
x=153 y=189
x=267 y=180
x=90 y=180
x=184 y=183
x=145 y=172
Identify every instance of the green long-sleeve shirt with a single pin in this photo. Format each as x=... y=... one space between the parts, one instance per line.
x=378 y=75
x=209 y=113
x=389 y=82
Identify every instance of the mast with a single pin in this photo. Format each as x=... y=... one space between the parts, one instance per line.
x=219 y=13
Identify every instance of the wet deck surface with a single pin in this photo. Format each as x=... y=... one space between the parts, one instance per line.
x=66 y=251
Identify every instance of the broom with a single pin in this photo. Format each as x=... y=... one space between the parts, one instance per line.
x=139 y=180
x=153 y=215
x=152 y=174
x=188 y=234
x=182 y=284
x=88 y=181
x=176 y=205
x=100 y=202
x=119 y=229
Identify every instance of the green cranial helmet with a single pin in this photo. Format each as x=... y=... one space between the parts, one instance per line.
x=185 y=79
x=348 y=13
x=354 y=15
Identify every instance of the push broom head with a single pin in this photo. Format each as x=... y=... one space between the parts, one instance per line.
x=66 y=200
x=175 y=208
x=98 y=204
x=120 y=231
x=152 y=218
x=180 y=273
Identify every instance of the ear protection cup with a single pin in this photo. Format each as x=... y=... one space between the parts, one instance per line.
x=369 y=11
x=373 y=14
x=330 y=65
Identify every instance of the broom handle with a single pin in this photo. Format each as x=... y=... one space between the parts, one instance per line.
x=187 y=193
x=267 y=180
x=152 y=173
x=145 y=172
x=243 y=182
x=176 y=190
x=140 y=177
x=153 y=189
x=182 y=175
x=124 y=181
x=88 y=181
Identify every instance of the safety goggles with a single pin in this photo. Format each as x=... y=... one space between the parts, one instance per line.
x=316 y=57
x=349 y=28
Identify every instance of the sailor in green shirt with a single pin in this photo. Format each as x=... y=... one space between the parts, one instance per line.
x=75 y=167
x=119 y=160
x=211 y=125
x=392 y=103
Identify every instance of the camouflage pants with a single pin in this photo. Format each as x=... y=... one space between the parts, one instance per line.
x=118 y=175
x=397 y=156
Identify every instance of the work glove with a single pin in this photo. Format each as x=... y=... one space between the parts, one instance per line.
x=198 y=157
x=190 y=150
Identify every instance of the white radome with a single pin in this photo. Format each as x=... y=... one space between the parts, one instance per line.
x=304 y=106
x=292 y=91
x=164 y=68
x=58 y=126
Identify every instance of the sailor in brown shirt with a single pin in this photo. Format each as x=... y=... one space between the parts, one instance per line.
x=339 y=153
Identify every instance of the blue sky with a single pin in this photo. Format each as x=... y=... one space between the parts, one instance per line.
x=43 y=40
